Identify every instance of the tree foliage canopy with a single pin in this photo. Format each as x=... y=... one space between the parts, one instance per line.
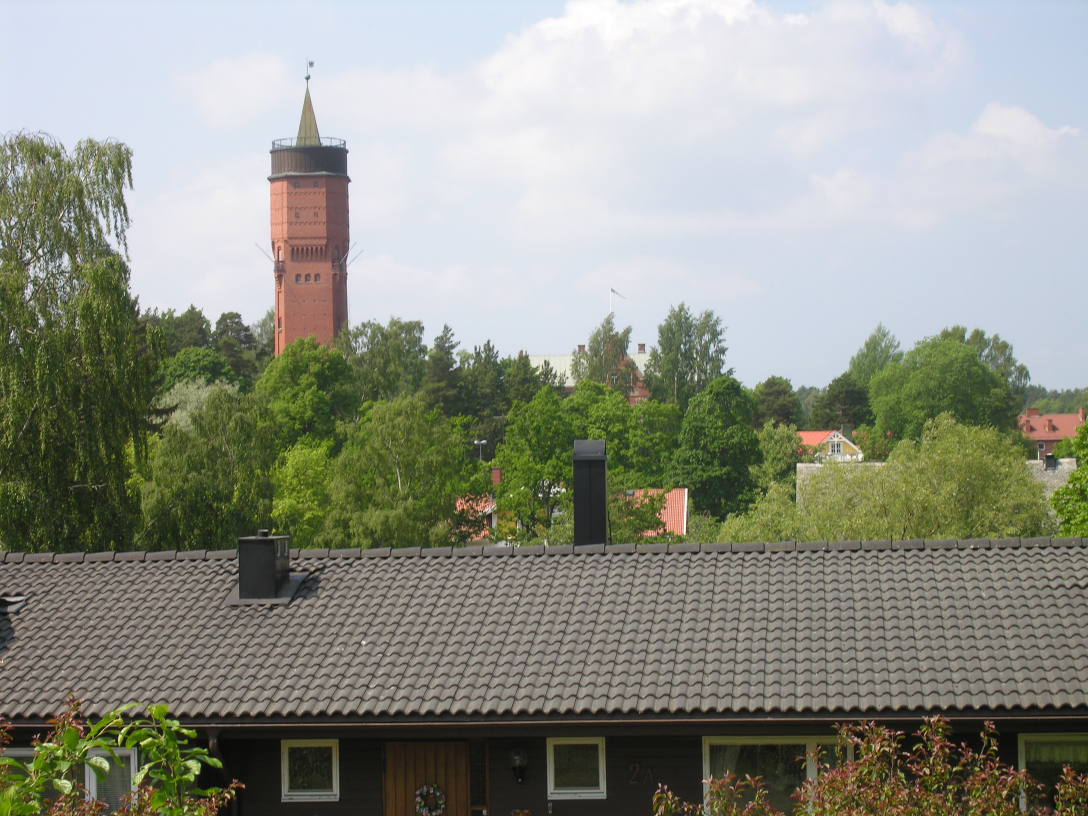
x=935 y=377
x=76 y=366
x=605 y=359
x=689 y=355
x=880 y=349
x=397 y=481
x=844 y=402
x=717 y=448
x=777 y=402
x=1071 y=501
x=957 y=482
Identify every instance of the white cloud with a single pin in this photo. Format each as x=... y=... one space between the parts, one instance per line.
x=231 y=92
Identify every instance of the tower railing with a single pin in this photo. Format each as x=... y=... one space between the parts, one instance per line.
x=282 y=144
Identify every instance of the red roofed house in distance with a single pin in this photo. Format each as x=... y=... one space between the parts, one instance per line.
x=1047 y=430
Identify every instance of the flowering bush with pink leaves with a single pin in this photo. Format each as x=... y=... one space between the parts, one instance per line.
x=873 y=775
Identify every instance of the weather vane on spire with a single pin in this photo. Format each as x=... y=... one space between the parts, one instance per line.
x=309 y=65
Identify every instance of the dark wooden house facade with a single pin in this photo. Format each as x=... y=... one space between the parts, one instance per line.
x=553 y=680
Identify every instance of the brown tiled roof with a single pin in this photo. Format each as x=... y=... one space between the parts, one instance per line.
x=723 y=630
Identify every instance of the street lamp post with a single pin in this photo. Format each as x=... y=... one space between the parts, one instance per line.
x=480 y=444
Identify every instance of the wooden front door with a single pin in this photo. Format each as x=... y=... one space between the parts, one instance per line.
x=411 y=765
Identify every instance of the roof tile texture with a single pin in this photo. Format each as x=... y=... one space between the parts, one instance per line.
x=632 y=630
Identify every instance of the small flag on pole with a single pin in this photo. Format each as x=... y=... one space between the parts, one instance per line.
x=611 y=292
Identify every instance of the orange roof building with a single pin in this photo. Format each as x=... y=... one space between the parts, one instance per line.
x=1047 y=430
x=675 y=512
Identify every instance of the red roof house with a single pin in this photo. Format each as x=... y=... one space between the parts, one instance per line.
x=675 y=512
x=1046 y=430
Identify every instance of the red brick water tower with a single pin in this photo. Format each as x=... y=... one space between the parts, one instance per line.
x=310 y=238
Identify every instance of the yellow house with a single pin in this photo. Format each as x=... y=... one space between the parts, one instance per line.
x=831 y=446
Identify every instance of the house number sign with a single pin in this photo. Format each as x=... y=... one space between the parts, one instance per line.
x=640 y=775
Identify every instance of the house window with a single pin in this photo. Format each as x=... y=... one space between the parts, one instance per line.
x=298 y=215
x=1044 y=755
x=1041 y=445
x=576 y=768
x=310 y=770
x=835 y=447
x=784 y=763
x=298 y=278
x=115 y=783
x=307 y=279
x=317 y=278
x=315 y=215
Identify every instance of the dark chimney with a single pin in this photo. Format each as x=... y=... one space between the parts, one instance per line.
x=264 y=565
x=496 y=476
x=1080 y=414
x=590 y=492
x=848 y=432
x=581 y=348
x=641 y=348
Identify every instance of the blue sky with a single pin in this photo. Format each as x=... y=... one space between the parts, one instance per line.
x=806 y=170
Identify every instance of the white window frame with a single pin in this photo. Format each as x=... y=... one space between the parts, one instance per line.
x=1023 y=739
x=834 y=447
x=287 y=795
x=810 y=744
x=90 y=778
x=600 y=792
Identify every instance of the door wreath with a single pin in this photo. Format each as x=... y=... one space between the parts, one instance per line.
x=434 y=792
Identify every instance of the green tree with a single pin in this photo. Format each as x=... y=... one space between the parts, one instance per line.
x=389 y=361
x=536 y=465
x=1070 y=502
x=690 y=353
x=195 y=365
x=879 y=349
x=264 y=335
x=939 y=376
x=996 y=354
x=844 y=401
x=483 y=396
x=717 y=449
x=605 y=359
x=190 y=329
x=777 y=402
x=77 y=367
x=211 y=484
x=309 y=389
x=442 y=377
x=957 y=482
x=237 y=346
x=188 y=397
x=398 y=479
x=300 y=502
x=521 y=378
x=781 y=450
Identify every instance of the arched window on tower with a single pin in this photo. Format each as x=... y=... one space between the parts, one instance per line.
x=307 y=278
x=298 y=278
x=317 y=278
x=336 y=254
x=279 y=255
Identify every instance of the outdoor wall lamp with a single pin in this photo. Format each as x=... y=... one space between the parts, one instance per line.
x=518 y=761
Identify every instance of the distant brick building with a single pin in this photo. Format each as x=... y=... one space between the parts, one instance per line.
x=1047 y=430
x=310 y=238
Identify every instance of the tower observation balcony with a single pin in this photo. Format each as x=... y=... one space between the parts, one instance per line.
x=309 y=156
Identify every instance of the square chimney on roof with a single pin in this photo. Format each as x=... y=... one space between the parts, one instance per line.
x=641 y=348
x=590 y=492
x=264 y=571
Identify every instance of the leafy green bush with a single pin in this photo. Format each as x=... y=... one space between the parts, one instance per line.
x=873 y=775
x=165 y=781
